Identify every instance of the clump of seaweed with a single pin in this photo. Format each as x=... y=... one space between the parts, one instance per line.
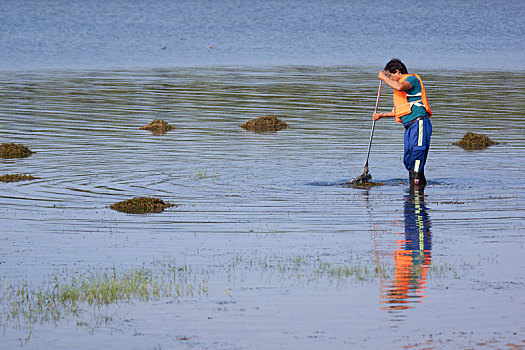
x=142 y=205
x=17 y=177
x=473 y=141
x=364 y=185
x=264 y=123
x=158 y=127
x=12 y=150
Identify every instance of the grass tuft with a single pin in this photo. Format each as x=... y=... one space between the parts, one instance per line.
x=57 y=299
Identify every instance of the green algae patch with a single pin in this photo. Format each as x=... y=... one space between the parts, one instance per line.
x=365 y=185
x=264 y=124
x=473 y=141
x=12 y=150
x=142 y=205
x=158 y=127
x=17 y=177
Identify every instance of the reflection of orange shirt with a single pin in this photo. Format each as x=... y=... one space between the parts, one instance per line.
x=411 y=267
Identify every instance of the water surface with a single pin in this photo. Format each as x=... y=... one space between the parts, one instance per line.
x=471 y=34
x=452 y=258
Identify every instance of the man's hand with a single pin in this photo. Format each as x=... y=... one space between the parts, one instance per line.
x=382 y=75
x=392 y=80
x=377 y=116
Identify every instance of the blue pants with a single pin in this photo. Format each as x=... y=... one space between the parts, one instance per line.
x=417 y=143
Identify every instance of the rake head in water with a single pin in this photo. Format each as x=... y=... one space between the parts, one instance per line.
x=363 y=178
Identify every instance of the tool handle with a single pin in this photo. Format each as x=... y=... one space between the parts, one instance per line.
x=373 y=123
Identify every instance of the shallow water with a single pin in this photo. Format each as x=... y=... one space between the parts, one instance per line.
x=452 y=259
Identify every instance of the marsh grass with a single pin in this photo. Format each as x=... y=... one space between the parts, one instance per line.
x=311 y=269
x=73 y=294
x=267 y=229
x=60 y=296
x=204 y=174
x=307 y=268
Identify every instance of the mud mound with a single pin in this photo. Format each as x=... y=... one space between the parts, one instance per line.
x=472 y=141
x=365 y=185
x=11 y=150
x=158 y=127
x=264 y=123
x=17 y=177
x=142 y=205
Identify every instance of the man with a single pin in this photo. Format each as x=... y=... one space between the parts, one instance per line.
x=412 y=110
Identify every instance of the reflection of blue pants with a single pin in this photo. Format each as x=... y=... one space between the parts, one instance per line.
x=417 y=224
x=417 y=143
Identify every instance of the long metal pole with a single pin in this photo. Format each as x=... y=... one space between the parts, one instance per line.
x=373 y=124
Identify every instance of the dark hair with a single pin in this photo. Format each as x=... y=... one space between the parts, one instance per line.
x=395 y=65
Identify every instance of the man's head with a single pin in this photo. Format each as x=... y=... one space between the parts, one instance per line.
x=396 y=66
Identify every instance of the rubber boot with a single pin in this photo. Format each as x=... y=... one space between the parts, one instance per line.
x=417 y=180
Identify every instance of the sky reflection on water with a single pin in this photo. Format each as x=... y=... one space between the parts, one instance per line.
x=264 y=199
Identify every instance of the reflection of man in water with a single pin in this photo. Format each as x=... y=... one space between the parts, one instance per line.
x=412 y=257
